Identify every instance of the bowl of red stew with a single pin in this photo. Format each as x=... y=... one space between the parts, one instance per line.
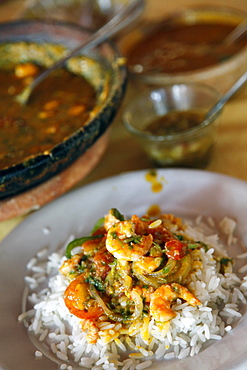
x=66 y=114
x=188 y=46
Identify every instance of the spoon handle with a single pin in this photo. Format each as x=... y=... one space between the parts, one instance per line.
x=115 y=24
x=218 y=106
x=236 y=33
x=118 y=22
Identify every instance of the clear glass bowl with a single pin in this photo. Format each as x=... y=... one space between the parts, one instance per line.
x=220 y=76
x=188 y=148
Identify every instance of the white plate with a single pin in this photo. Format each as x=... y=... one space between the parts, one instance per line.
x=184 y=192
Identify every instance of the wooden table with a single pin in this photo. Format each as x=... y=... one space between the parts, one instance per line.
x=124 y=154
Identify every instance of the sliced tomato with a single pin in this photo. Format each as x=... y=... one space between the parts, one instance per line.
x=72 y=299
x=175 y=249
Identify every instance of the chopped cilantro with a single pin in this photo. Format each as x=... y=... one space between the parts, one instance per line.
x=225 y=260
x=134 y=239
x=193 y=245
x=114 y=235
x=197 y=244
x=97 y=282
x=145 y=219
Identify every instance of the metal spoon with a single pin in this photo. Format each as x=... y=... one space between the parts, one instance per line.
x=211 y=114
x=117 y=23
x=236 y=33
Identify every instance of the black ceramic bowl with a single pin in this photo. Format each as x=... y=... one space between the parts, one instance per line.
x=112 y=79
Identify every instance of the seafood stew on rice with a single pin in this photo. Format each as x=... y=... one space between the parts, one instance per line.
x=129 y=270
x=134 y=291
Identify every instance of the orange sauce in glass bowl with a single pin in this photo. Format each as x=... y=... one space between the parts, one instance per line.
x=174 y=122
x=182 y=48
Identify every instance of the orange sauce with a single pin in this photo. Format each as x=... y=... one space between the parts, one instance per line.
x=59 y=106
x=154 y=210
x=156 y=183
x=183 y=48
x=174 y=122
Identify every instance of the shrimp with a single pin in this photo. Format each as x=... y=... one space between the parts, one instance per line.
x=144 y=292
x=124 y=243
x=161 y=300
x=185 y=294
x=112 y=218
x=102 y=259
x=92 y=330
x=147 y=264
x=70 y=264
x=170 y=220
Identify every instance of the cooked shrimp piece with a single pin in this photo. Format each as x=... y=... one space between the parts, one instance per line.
x=144 y=292
x=123 y=242
x=162 y=298
x=160 y=303
x=70 y=264
x=92 y=330
x=185 y=294
x=141 y=225
x=169 y=220
x=112 y=218
x=147 y=264
x=102 y=260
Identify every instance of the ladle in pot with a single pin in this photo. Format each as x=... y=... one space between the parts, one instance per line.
x=117 y=23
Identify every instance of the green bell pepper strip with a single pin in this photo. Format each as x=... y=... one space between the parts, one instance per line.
x=98 y=224
x=78 y=243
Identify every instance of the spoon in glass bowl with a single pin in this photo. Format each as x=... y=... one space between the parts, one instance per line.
x=236 y=33
x=210 y=116
x=114 y=25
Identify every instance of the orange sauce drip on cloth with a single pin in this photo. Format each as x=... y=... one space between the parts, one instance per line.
x=154 y=210
x=183 y=48
x=156 y=183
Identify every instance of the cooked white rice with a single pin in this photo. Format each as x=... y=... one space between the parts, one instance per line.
x=50 y=322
